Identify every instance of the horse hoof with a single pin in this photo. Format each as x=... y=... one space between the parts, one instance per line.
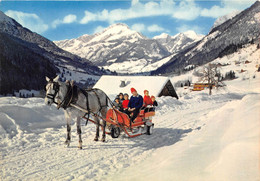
x=80 y=147
x=96 y=139
x=67 y=142
x=103 y=140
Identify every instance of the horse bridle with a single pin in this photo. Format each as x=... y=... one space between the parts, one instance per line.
x=56 y=88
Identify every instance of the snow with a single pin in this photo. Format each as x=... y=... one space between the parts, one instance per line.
x=111 y=84
x=118 y=39
x=193 y=35
x=137 y=66
x=197 y=137
x=206 y=38
x=226 y=148
x=154 y=66
x=190 y=34
x=115 y=32
x=132 y=66
x=162 y=36
x=225 y=18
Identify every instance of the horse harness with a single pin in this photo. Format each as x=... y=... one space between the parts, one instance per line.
x=56 y=88
x=86 y=92
x=71 y=97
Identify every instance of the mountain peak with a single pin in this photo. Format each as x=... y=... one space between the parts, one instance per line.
x=192 y=35
x=5 y=18
x=224 y=18
x=122 y=25
x=117 y=31
x=116 y=28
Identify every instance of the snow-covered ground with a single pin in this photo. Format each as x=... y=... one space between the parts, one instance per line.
x=198 y=137
x=138 y=66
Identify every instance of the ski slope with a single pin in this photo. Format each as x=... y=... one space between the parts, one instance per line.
x=198 y=137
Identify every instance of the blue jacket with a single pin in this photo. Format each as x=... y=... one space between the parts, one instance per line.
x=136 y=102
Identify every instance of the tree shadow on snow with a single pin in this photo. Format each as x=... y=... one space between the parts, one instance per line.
x=161 y=137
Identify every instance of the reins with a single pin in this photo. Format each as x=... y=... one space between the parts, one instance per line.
x=68 y=100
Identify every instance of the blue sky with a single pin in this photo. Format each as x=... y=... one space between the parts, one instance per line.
x=58 y=20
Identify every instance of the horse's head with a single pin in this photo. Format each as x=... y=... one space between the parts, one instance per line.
x=52 y=88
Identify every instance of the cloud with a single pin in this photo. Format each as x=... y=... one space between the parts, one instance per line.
x=71 y=18
x=185 y=10
x=226 y=7
x=238 y=4
x=184 y=28
x=99 y=29
x=138 y=27
x=155 y=28
x=216 y=11
x=30 y=21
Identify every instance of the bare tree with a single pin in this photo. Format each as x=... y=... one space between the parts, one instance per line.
x=212 y=76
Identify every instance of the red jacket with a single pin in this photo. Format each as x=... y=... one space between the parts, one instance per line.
x=125 y=104
x=147 y=101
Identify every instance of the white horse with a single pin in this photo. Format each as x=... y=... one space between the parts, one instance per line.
x=77 y=103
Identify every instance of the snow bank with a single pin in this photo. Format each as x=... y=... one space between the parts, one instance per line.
x=227 y=148
x=19 y=115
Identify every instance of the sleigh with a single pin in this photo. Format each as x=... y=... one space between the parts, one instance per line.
x=120 y=122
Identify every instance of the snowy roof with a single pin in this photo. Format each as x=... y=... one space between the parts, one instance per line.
x=111 y=84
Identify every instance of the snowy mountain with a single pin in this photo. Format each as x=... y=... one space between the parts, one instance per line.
x=224 y=39
x=118 y=48
x=33 y=58
x=115 y=44
x=224 y=18
x=178 y=42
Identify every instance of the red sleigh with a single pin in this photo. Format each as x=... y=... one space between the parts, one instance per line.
x=118 y=122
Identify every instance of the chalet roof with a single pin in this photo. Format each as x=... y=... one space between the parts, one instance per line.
x=111 y=84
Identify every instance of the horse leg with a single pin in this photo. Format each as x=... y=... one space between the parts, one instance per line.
x=67 y=117
x=97 y=129
x=79 y=132
x=104 y=131
x=103 y=113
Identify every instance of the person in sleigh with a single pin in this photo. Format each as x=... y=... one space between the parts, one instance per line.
x=135 y=104
x=148 y=103
x=125 y=104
